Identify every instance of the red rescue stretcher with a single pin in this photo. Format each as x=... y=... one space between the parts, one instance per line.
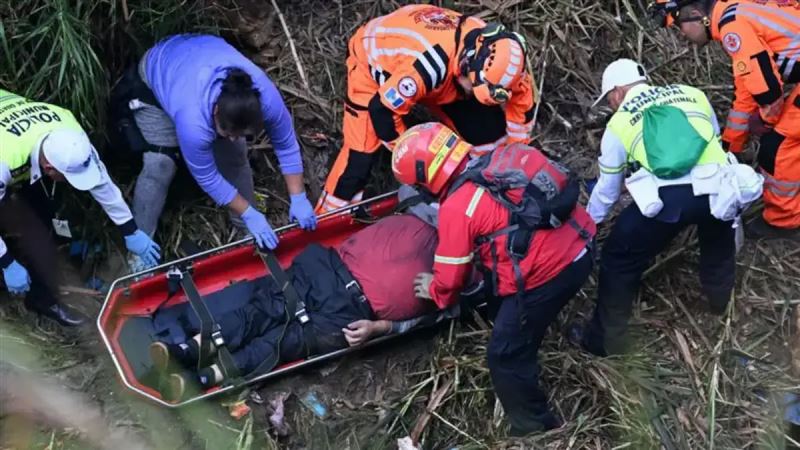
x=125 y=320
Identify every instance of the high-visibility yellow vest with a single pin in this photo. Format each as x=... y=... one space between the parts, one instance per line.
x=23 y=124
x=628 y=124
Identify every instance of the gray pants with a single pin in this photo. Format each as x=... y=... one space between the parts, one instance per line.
x=158 y=172
x=158 y=169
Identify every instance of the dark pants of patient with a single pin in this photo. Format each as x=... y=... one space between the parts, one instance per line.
x=252 y=333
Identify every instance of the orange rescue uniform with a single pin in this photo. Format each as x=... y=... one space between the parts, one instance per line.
x=406 y=58
x=763 y=39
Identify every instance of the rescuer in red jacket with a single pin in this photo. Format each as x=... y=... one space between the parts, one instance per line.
x=529 y=289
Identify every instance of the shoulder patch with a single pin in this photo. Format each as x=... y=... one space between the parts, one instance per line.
x=394 y=98
x=407 y=87
x=732 y=42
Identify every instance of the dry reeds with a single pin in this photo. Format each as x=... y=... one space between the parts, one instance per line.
x=693 y=380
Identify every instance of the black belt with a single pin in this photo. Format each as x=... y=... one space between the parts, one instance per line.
x=354 y=289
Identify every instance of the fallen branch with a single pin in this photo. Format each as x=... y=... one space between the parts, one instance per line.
x=79 y=290
x=291 y=46
x=425 y=417
x=794 y=346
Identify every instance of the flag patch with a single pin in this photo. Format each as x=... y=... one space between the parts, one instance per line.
x=394 y=98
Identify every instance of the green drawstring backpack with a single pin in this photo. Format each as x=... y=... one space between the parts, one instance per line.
x=671 y=143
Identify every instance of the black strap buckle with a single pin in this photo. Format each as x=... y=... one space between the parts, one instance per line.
x=554 y=221
x=355 y=290
x=302 y=316
x=216 y=336
x=174 y=274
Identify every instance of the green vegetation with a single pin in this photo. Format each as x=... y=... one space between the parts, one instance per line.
x=67 y=52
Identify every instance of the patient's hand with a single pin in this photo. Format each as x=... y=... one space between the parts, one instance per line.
x=361 y=331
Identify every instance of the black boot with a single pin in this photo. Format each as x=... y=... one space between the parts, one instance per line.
x=545 y=422
x=59 y=313
x=718 y=303
x=760 y=229
x=576 y=333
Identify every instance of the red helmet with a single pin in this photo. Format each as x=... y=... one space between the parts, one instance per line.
x=428 y=155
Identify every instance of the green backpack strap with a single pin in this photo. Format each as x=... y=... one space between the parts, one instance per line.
x=672 y=145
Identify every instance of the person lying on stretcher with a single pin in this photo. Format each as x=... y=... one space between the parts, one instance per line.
x=382 y=259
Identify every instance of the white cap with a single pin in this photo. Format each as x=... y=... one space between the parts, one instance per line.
x=71 y=153
x=621 y=72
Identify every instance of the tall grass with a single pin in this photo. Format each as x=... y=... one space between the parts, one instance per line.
x=49 y=55
x=68 y=52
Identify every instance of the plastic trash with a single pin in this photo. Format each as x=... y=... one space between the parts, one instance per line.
x=406 y=444
x=82 y=250
x=791 y=404
x=78 y=249
x=97 y=284
x=590 y=183
x=313 y=403
x=276 y=414
x=239 y=409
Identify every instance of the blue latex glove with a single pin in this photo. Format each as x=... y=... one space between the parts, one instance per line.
x=590 y=184
x=144 y=247
x=260 y=229
x=17 y=279
x=301 y=211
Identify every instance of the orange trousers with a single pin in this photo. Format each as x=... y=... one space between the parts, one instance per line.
x=779 y=161
x=350 y=171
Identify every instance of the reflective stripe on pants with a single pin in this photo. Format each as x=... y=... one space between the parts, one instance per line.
x=779 y=161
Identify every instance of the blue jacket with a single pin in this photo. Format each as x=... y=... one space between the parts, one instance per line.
x=185 y=72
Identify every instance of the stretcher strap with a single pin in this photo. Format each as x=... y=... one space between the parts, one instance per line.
x=294 y=304
x=210 y=332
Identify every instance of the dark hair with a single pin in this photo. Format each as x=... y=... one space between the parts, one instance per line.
x=701 y=6
x=239 y=105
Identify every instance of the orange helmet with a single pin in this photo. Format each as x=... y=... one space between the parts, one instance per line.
x=494 y=60
x=428 y=155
